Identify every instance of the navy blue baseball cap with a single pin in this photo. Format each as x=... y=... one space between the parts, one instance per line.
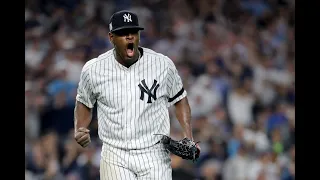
x=124 y=20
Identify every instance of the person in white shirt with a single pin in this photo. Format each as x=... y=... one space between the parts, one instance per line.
x=133 y=88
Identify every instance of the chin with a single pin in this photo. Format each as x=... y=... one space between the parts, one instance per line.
x=129 y=58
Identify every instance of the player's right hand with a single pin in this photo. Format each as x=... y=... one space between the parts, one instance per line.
x=82 y=136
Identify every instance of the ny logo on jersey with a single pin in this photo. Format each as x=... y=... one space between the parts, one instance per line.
x=145 y=89
x=127 y=18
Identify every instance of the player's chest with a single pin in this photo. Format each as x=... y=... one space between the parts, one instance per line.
x=118 y=87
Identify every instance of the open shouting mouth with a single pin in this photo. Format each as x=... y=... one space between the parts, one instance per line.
x=130 y=50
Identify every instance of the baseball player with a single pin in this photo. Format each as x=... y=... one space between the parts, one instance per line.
x=133 y=87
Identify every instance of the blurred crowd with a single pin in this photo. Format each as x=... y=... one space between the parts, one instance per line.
x=236 y=59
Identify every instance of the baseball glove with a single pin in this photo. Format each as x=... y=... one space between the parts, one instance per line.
x=184 y=148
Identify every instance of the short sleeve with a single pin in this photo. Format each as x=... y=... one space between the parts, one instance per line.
x=176 y=92
x=85 y=93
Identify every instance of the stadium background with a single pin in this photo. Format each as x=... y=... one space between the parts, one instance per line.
x=236 y=59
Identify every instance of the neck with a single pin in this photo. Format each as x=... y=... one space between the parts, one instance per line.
x=129 y=62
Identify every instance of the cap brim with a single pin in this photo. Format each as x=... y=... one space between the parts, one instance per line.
x=128 y=27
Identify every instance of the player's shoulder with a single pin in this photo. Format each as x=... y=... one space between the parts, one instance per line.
x=89 y=64
x=158 y=55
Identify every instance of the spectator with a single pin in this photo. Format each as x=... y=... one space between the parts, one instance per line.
x=256 y=137
x=178 y=171
x=211 y=170
x=236 y=167
x=240 y=105
x=263 y=168
x=202 y=98
x=235 y=140
x=170 y=45
x=287 y=164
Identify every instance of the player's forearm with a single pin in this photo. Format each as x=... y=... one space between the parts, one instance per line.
x=82 y=116
x=183 y=113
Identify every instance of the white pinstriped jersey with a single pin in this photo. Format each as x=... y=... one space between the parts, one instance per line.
x=132 y=103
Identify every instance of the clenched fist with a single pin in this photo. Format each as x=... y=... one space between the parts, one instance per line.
x=82 y=136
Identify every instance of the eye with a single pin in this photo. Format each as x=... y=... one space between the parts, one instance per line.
x=126 y=32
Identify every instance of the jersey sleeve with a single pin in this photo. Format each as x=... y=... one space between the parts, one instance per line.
x=85 y=93
x=176 y=92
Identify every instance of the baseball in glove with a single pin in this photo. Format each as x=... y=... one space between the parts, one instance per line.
x=184 y=148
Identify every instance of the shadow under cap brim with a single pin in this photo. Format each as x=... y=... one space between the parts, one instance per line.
x=127 y=27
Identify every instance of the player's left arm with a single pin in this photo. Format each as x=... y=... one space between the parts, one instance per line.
x=178 y=98
x=183 y=114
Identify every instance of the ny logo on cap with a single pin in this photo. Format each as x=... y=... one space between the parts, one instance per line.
x=127 y=18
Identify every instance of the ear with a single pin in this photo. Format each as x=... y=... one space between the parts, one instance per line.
x=111 y=38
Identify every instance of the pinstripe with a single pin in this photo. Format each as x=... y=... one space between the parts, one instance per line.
x=117 y=170
x=122 y=173
x=110 y=171
x=103 y=133
x=150 y=117
x=116 y=101
x=126 y=122
x=135 y=112
x=102 y=170
x=147 y=75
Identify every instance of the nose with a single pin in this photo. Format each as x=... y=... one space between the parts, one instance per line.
x=129 y=36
